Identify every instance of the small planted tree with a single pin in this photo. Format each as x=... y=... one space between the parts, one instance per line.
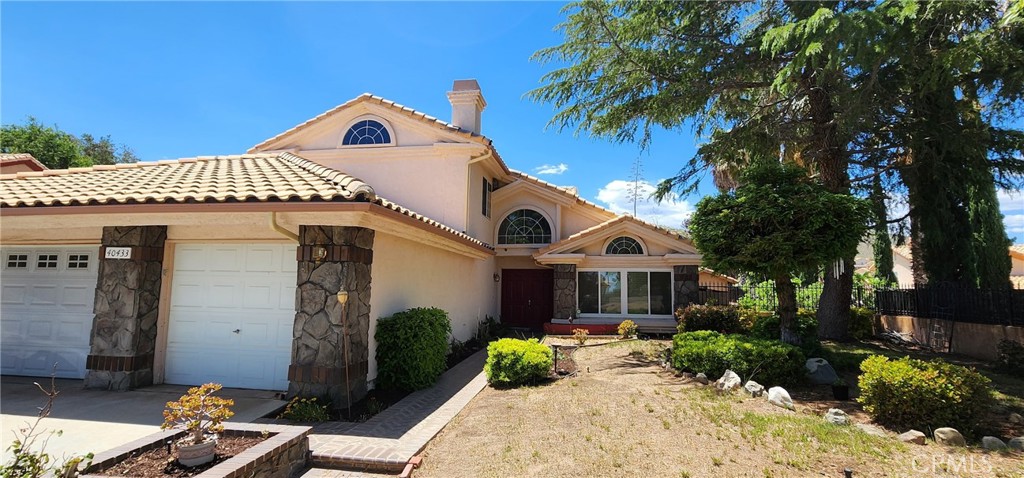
x=200 y=414
x=777 y=223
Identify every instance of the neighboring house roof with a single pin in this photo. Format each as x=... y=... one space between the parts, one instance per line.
x=904 y=251
x=12 y=160
x=581 y=237
x=410 y=112
x=266 y=177
x=729 y=279
x=1017 y=250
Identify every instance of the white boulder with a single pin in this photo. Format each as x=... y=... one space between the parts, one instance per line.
x=779 y=397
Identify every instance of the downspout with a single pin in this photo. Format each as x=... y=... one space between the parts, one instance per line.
x=281 y=230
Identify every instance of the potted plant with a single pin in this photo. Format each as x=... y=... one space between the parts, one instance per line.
x=201 y=414
x=840 y=390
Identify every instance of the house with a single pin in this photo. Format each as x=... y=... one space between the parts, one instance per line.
x=19 y=162
x=902 y=264
x=228 y=268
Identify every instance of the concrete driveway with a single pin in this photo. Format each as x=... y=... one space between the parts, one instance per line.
x=94 y=420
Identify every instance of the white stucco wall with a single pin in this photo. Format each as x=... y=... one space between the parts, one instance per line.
x=902 y=268
x=406 y=274
x=478 y=225
x=1018 y=266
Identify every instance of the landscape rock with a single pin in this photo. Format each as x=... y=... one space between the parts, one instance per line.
x=687 y=375
x=992 y=444
x=1016 y=444
x=753 y=388
x=729 y=381
x=872 y=430
x=701 y=378
x=836 y=416
x=779 y=397
x=1016 y=419
x=949 y=437
x=913 y=436
x=820 y=372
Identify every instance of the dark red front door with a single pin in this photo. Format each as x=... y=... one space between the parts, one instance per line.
x=527 y=297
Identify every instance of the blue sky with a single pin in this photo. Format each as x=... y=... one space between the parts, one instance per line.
x=183 y=79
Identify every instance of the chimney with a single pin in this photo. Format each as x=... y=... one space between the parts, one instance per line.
x=467 y=104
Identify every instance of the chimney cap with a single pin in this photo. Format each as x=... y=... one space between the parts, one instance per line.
x=466 y=85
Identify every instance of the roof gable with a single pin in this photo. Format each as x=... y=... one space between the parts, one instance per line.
x=621 y=225
x=334 y=120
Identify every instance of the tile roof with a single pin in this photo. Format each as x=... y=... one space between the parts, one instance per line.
x=251 y=177
x=1017 y=250
x=12 y=159
x=263 y=177
x=569 y=191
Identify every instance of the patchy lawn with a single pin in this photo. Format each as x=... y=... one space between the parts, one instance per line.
x=624 y=415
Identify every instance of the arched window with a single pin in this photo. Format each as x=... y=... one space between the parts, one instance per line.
x=367 y=132
x=624 y=245
x=524 y=226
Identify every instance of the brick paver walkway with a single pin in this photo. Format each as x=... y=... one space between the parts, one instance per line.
x=386 y=442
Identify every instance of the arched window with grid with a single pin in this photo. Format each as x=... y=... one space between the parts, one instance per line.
x=367 y=132
x=624 y=245
x=524 y=226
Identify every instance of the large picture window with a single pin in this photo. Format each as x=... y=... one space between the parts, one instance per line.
x=625 y=292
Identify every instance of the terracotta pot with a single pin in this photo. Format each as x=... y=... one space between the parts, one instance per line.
x=195 y=455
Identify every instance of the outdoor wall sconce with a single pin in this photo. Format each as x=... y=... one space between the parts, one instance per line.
x=342 y=296
x=319 y=253
x=497 y=277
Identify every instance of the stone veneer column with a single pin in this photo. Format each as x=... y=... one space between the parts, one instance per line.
x=565 y=291
x=685 y=284
x=123 y=337
x=331 y=258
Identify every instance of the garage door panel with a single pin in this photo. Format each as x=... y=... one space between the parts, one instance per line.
x=46 y=303
x=238 y=287
x=189 y=258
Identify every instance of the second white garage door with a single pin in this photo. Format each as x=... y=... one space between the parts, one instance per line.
x=231 y=315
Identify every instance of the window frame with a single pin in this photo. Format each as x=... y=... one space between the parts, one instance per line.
x=608 y=243
x=488 y=190
x=624 y=292
x=497 y=229
x=348 y=126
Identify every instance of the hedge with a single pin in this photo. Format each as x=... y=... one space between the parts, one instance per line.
x=411 y=348
x=513 y=362
x=908 y=393
x=768 y=362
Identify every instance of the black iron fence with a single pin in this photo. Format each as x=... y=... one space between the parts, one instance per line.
x=939 y=301
x=956 y=303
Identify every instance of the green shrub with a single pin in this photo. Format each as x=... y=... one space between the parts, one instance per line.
x=513 y=362
x=768 y=328
x=719 y=318
x=862 y=320
x=411 y=348
x=908 y=393
x=767 y=361
x=306 y=410
x=1011 y=356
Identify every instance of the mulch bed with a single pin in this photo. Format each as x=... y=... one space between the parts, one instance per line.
x=157 y=463
x=565 y=365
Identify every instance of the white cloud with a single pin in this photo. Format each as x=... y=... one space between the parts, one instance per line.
x=1011 y=204
x=551 y=168
x=668 y=213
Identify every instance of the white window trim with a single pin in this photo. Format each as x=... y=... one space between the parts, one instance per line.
x=391 y=132
x=604 y=247
x=623 y=293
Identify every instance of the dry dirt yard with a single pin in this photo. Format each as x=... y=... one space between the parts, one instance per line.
x=624 y=415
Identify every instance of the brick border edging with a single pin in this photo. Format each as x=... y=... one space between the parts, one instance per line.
x=284 y=437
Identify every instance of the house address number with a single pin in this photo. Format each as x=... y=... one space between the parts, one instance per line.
x=118 y=253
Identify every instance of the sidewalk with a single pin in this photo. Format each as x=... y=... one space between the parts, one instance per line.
x=386 y=442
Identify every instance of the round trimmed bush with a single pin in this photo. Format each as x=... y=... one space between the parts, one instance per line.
x=719 y=318
x=513 y=362
x=411 y=348
x=908 y=393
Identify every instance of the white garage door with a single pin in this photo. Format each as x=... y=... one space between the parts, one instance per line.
x=232 y=309
x=46 y=299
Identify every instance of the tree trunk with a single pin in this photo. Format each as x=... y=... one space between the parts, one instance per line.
x=835 y=301
x=830 y=159
x=786 y=292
